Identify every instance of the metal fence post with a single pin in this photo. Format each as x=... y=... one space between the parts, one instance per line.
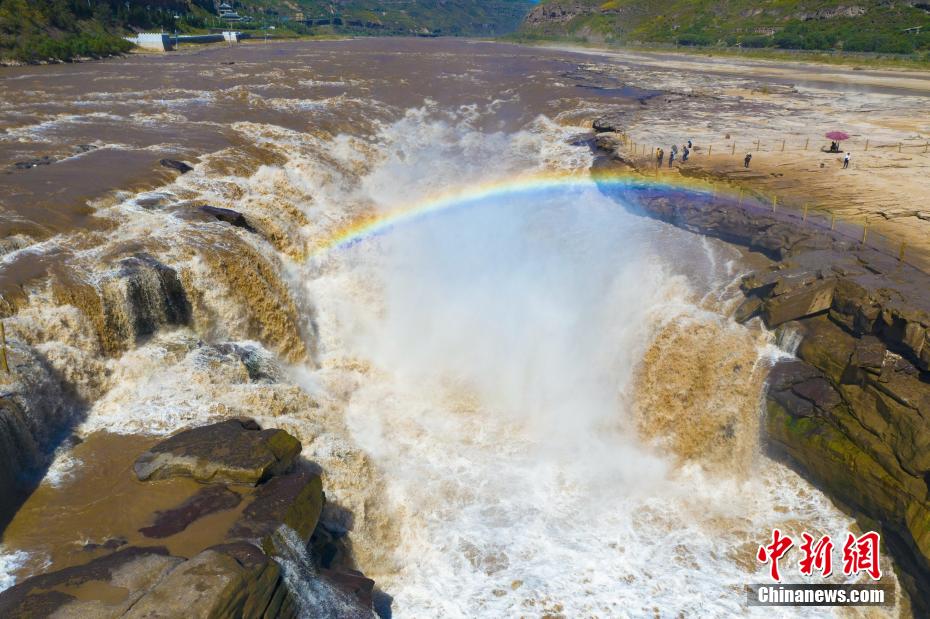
x=3 y=360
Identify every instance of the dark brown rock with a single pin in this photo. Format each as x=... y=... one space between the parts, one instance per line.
x=798 y=302
x=174 y=164
x=353 y=583
x=33 y=163
x=235 y=451
x=826 y=346
x=139 y=297
x=207 y=501
x=747 y=310
x=294 y=500
x=36 y=409
x=231 y=580
x=230 y=216
x=71 y=591
x=614 y=123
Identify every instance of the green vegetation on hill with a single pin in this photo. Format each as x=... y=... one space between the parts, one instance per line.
x=901 y=27
x=32 y=30
x=42 y=30
x=399 y=17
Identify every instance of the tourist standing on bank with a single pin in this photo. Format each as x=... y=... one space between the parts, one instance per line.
x=846 y=160
x=660 y=157
x=747 y=160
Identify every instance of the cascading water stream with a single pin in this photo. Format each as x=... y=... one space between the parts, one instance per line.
x=562 y=423
x=526 y=403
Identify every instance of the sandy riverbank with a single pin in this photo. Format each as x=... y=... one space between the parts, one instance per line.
x=726 y=105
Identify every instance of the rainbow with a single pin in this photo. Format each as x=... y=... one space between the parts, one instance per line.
x=379 y=223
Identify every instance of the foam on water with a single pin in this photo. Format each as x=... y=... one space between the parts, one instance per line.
x=498 y=348
x=9 y=563
x=472 y=396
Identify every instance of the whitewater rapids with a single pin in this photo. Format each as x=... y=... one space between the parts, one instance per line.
x=524 y=405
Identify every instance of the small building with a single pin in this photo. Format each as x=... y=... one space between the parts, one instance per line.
x=228 y=13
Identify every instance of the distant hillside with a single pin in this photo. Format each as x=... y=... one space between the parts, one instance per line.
x=851 y=25
x=405 y=17
x=37 y=30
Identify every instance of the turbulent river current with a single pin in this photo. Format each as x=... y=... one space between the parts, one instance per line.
x=525 y=401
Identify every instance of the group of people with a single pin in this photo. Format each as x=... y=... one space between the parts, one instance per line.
x=673 y=154
x=686 y=151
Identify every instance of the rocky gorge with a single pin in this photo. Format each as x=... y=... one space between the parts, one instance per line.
x=852 y=411
x=246 y=294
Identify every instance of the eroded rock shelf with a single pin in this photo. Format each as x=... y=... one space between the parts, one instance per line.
x=851 y=412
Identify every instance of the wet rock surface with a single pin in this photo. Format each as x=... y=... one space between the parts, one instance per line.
x=229 y=216
x=140 y=296
x=36 y=412
x=32 y=163
x=259 y=566
x=294 y=500
x=174 y=164
x=122 y=578
x=852 y=412
x=235 y=451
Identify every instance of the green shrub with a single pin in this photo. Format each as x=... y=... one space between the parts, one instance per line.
x=39 y=48
x=757 y=41
x=695 y=39
x=881 y=43
x=788 y=40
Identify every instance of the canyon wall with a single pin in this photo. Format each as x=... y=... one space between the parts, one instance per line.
x=851 y=411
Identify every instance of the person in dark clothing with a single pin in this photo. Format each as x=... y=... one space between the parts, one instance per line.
x=684 y=154
x=747 y=160
x=671 y=158
x=660 y=157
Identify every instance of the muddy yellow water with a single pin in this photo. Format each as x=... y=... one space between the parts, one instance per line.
x=69 y=523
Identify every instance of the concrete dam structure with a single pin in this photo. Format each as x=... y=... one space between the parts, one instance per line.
x=163 y=42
